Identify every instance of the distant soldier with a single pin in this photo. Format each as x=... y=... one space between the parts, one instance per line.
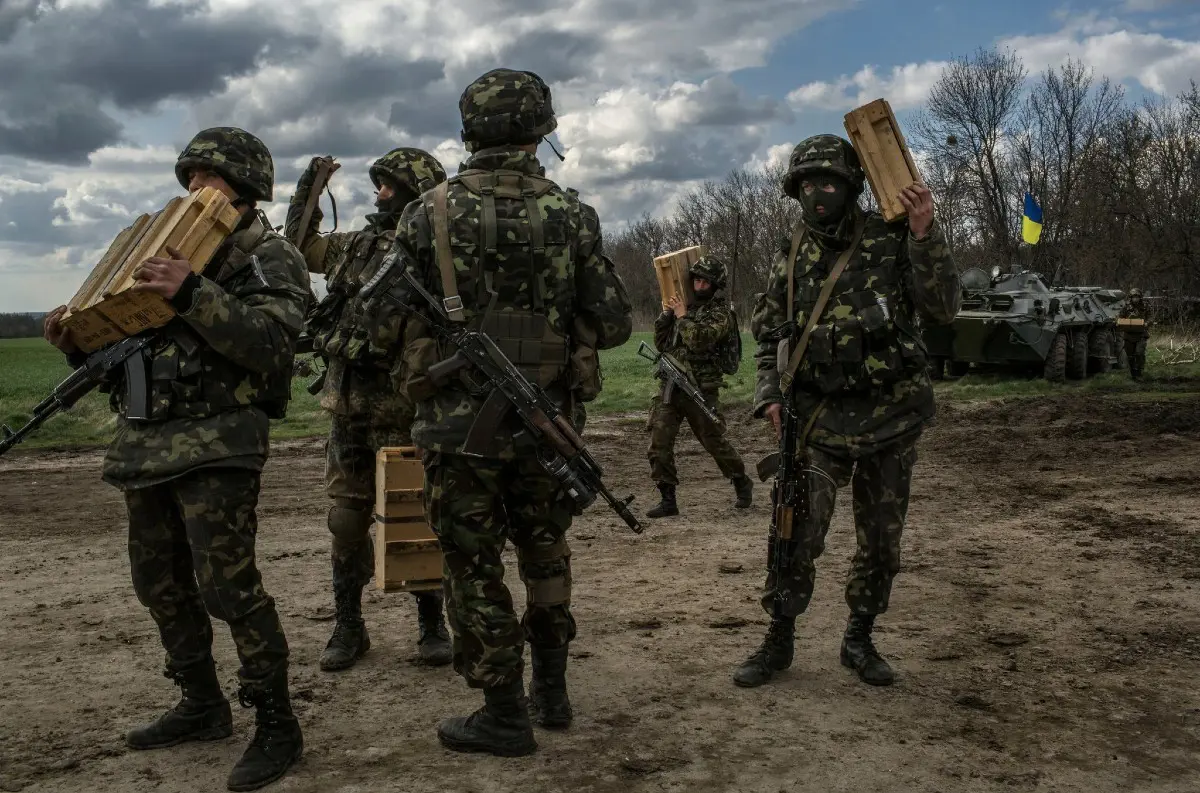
x=368 y=410
x=1136 y=336
x=219 y=372
x=698 y=335
x=850 y=285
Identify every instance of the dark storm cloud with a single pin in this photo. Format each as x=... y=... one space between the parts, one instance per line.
x=28 y=217
x=60 y=69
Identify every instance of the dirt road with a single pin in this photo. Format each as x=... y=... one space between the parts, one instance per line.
x=1045 y=630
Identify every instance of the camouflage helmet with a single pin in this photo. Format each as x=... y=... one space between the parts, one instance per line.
x=410 y=170
x=236 y=155
x=822 y=154
x=505 y=106
x=711 y=269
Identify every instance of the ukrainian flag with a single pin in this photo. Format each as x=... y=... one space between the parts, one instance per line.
x=1031 y=221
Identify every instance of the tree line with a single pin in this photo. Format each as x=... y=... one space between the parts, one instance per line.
x=1118 y=181
x=18 y=326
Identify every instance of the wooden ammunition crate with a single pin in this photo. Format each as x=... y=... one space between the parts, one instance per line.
x=105 y=309
x=672 y=272
x=884 y=155
x=407 y=556
x=1130 y=323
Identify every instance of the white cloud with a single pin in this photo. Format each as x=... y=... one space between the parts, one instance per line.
x=904 y=87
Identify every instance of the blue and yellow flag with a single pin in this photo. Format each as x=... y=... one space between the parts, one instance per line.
x=1031 y=221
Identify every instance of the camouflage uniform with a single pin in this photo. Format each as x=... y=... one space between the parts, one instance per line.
x=694 y=340
x=367 y=410
x=218 y=373
x=864 y=371
x=525 y=258
x=1135 y=339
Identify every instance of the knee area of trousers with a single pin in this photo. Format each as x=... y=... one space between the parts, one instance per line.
x=350 y=520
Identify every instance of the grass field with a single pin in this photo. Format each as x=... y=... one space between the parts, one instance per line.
x=31 y=368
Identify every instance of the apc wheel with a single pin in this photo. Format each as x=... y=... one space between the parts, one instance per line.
x=1056 y=361
x=1077 y=357
x=1100 y=345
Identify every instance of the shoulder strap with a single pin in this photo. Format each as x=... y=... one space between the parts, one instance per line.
x=451 y=300
x=789 y=374
x=798 y=236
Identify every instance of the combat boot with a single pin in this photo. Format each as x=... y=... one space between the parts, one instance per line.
x=277 y=743
x=202 y=714
x=349 y=641
x=434 y=641
x=549 y=705
x=773 y=655
x=667 y=506
x=501 y=727
x=859 y=653
x=744 y=487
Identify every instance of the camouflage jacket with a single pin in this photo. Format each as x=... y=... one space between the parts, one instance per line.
x=569 y=282
x=358 y=377
x=694 y=339
x=219 y=371
x=1129 y=311
x=865 y=358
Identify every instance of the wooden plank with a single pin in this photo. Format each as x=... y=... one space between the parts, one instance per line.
x=397 y=468
x=883 y=152
x=104 y=308
x=1130 y=322
x=671 y=269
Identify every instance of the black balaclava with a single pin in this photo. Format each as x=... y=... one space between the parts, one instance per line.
x=835 y=204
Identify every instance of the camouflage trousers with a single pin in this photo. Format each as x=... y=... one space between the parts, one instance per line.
x=881 y=485
x=350 y=453
x=1135 y=353
x=475 y=506
x=665 y=421
x=191 y=553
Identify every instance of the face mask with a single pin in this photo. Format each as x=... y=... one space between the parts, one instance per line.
x=822 y=206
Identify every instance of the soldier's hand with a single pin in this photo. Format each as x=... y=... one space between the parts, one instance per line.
x=918 y=203
x=775 y=414
x=162 y=275
x=677 y=306
x=55 y=333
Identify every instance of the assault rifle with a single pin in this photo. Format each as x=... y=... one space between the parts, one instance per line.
x=93 y=373
x=674 y=377
x=789 y=495
x=561 y=451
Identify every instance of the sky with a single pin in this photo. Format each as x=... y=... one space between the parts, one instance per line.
x=98 y=97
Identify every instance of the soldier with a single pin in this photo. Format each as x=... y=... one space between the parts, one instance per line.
x=695 y=335
x=219 y=371
x=861 y=389
x=368 y=412
x=1136 y=336
x=509 y=252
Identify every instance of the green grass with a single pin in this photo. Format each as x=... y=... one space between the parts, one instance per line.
x=30 y=368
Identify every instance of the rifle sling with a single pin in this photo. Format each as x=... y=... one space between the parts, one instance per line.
x=788 y=375
x=440 y=206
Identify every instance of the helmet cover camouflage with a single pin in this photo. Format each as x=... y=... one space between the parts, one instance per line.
x=711 y=269
x=412 y=171
x=238 y=157
x=506 y=106
x=822 y=154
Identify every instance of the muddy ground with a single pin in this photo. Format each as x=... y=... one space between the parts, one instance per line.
x=1045 y=630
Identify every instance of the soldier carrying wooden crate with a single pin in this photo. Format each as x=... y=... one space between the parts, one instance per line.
x=367 y=411
x=188 y=459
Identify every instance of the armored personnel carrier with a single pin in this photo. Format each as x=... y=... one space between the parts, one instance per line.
x=1018 y=321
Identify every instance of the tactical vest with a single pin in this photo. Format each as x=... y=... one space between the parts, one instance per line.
x=508 y=270
x=338 y=324
x=863 y=339
x=188 y=379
